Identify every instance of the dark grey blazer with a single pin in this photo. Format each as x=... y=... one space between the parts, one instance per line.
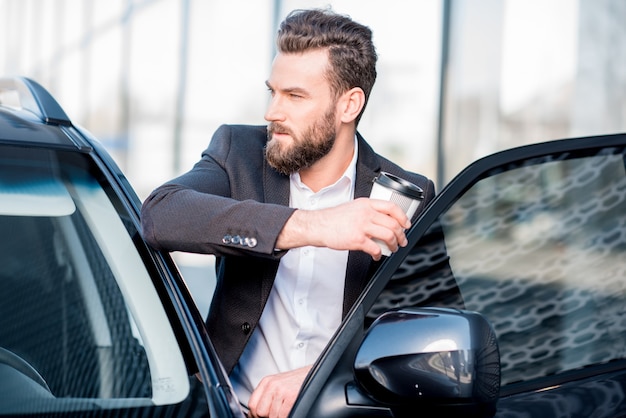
x=234 y=205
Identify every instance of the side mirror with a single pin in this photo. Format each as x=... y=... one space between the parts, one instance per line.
x=431 y=359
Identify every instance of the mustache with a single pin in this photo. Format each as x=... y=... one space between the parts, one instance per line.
x=277 y=128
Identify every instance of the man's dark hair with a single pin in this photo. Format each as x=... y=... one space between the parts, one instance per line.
x=351 y=52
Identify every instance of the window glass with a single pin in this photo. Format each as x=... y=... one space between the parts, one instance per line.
x=81 y=324
x=539 y=248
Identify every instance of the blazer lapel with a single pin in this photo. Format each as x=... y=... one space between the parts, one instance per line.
x=360 y=263
x=275 y=190
x=275 y=186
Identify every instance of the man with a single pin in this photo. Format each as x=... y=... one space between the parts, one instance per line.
x=285 y=210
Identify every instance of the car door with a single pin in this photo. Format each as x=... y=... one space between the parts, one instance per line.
x=533 y=240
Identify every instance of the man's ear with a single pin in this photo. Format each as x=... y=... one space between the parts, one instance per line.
x=351 y=103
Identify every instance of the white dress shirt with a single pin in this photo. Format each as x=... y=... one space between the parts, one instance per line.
x=305 y=304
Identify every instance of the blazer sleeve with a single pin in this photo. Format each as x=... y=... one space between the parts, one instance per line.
x=198 y=212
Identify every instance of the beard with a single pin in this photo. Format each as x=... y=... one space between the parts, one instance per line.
x=305 y=150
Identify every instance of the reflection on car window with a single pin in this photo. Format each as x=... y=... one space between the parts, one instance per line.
x=47 y=314
x=540 y=250
x=80 y=321
x=423 y=279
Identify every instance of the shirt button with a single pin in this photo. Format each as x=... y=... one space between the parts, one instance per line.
x=245 y=327
x=300 y=345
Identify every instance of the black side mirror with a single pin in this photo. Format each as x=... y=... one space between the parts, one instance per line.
x=431 y=359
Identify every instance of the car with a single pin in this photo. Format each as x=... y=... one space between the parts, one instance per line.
x=509 y=301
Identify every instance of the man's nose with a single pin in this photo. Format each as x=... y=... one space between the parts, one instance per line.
x=274 y=112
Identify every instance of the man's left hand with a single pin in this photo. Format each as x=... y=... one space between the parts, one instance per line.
x=276 y=394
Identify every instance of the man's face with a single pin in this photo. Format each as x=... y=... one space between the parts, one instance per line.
x=302 y=111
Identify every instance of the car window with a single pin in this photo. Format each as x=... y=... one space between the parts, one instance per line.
x=81 y=323
x=539 y=248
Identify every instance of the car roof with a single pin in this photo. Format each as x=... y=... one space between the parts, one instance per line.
x=18 y=127
x=29 y=115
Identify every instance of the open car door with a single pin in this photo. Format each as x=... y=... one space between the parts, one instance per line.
x=521 y=262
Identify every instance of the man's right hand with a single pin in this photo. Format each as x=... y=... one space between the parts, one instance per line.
x=350 y=226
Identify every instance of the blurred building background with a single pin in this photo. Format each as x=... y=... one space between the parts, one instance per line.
x=458 y=79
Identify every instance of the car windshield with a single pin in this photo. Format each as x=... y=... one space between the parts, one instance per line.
x=81 y=323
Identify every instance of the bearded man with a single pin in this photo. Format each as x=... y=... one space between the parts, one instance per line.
x=284 y=208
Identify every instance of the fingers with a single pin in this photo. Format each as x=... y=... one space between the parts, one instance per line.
x=388 y=225
x=275 y=395
x=392 y=210
x=357 y=225
x=393 y=237
x=271 y=399
x=350 y=226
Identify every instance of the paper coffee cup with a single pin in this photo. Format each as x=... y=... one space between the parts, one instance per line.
x=402 y=192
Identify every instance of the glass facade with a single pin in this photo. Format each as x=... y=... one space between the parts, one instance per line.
x=522 y=72
x=152 y=79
